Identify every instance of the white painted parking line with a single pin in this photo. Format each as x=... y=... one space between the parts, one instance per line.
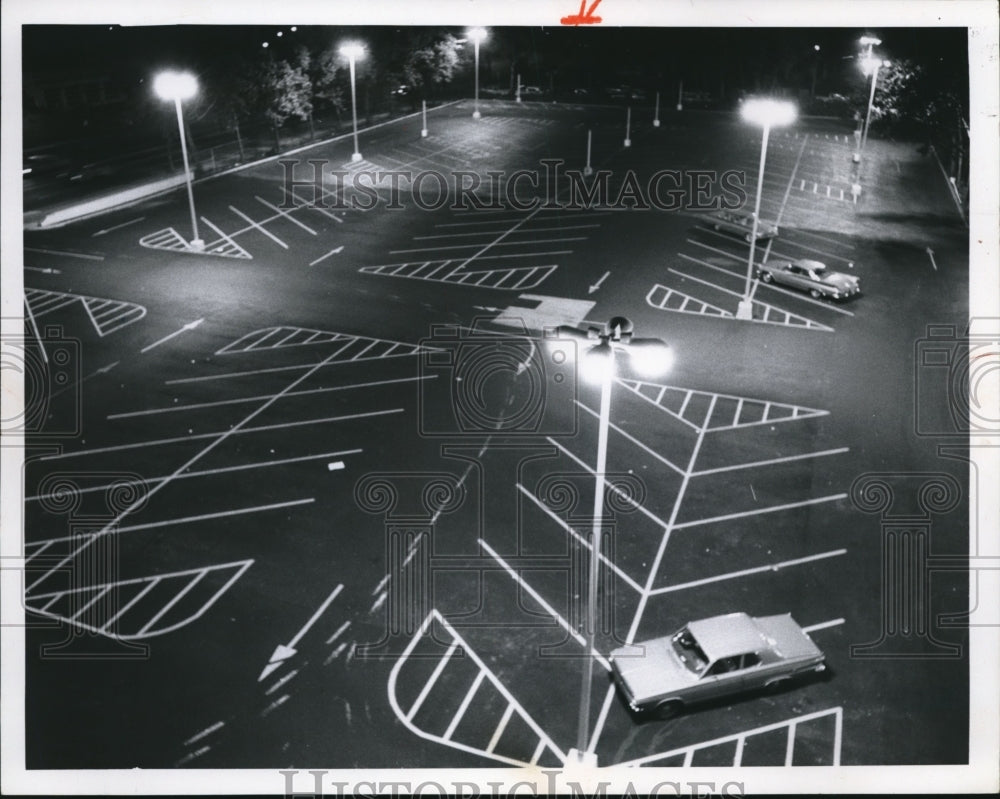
x=334 y=251
x=662 y=297
x=585 y=215
x=759 y=511
x=795 y=295
x=85 y=256
x=487 y=233
x=204 y=733
x=460 y=713
x=232 y=431
x=545 y=605
x=285 y=214
x=262 y=397
x=491 y=244
x=770 y=567
x=785 y=318
x=107 y=316
x=180 y=520
x=105 y=231
x=687 y=752
x=632 y=439
x=828 y=255
x=259 y=227
x=217 y=470
x=641 y=508
x=187 y=578
x=569 y=529
x=771 y=461
x=228 y=246
x=823 y=625
x=435 y=675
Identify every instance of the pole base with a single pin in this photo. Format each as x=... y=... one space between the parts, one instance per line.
x=745 y=310
x=423 y=133
x=518 y=98
x=576 y=758
x=588 y=170
x=628 y=142
x=680 y=107
x=356 y=157
x=198 y=244
x=857 y=158
x=656 y=123
x=476 y=114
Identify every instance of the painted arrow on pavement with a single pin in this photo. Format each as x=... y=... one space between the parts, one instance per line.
x=188 y=326
x=595 y=286
x=930 y=252
x=284 y=651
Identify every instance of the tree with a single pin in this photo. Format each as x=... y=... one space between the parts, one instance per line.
x=328 y=78
x=432 y=64
x=287 y=92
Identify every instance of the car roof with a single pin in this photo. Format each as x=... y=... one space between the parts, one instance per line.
x=808 y=263
x=725 y=636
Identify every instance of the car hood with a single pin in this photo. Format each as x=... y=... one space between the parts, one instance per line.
x=650 y=669
x=789 y=639
x=840 y=281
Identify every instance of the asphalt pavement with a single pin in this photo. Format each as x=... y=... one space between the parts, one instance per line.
x=319 y=491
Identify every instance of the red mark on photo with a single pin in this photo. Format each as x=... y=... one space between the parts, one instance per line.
x=585 y=17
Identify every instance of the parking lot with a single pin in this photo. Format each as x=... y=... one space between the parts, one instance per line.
x=264 y=524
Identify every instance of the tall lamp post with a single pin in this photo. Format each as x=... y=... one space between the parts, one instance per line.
x=870 y=66
x=477 y=35
x=868 y=42
x=649 y=357
x=353 y=51
x=766 y=113
x=179 y=86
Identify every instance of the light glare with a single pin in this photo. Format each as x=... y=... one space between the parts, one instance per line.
x=651 y=360
x=175 y=85
x=597 y=364
x=477 y=34
x=769 y=113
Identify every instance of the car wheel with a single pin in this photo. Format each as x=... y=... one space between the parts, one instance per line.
x=814 y=293
x=767 y=277
x=748 y=237
x=669 y=708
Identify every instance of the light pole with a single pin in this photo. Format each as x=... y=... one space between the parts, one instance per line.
x=868 y=42
x=870 y=65
x=353 y=51
x=477 y=35
x=649 y=357
x=765 y=113
x=179 y=86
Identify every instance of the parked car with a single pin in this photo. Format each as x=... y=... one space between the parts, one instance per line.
x=711 y=658
x=741 y=223
x=530 y=91
x=811 y=276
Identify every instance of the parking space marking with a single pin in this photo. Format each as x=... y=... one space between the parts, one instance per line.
x=589 y=469
x=491 y=244
x=259 y=227
x=170 y=522
x=225 y=245
x=187 y=580
x=794 y=295
x=199 y=436
x=85 y=256
x=511 y=708
x=792 y=725
x=204 y=472
x=285 y=214
x=107 y=316
x=823 y=625
x=586 y=215
x=482 y=233
x=569 y=529
x=527 y=277
x=545 y=605
x=632 y=439
x=261 y=397
x=811 y=249
x=782 y=317
x=772 y=412
x=770 y=567
x=758 y=511
x=283 y=336
x=660 y=297
x=771 y=461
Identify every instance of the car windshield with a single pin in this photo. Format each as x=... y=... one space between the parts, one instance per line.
x=689 y=652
